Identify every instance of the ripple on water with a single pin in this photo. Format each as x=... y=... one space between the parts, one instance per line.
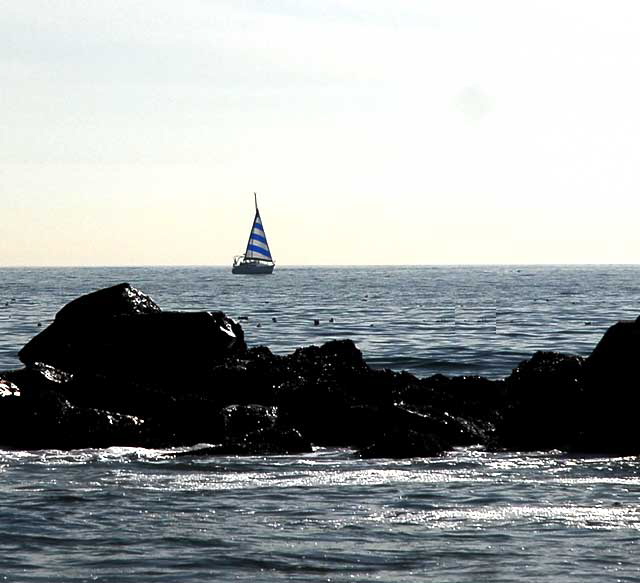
x=456 y=320
x=327 y=512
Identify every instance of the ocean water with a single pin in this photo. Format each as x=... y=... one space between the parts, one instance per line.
x=125 y=514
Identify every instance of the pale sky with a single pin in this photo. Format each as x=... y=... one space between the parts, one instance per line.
x=374 y=131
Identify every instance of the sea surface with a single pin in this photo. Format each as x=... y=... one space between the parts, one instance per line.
x=132 y=514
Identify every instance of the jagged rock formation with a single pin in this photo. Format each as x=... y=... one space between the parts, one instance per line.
x=114 y=369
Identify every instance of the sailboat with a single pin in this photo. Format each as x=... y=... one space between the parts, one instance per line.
x=257 y=257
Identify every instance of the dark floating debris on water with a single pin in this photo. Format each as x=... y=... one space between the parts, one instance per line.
x=244 y=318
x=113 y=369
x=274 y=319
x=316 y=322
x=331 y=320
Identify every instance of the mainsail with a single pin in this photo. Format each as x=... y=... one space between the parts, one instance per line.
x=257 y=247
x=257 y=258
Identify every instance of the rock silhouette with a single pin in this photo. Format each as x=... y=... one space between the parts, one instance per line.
x=114 y=369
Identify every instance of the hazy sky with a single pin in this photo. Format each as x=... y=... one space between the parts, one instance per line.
x=374 y=132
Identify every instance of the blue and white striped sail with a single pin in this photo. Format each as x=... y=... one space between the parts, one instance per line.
x=257 y=247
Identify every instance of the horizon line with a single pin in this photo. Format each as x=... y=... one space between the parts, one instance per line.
x=306 y=265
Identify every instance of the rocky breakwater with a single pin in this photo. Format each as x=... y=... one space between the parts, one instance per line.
x=575 y=404
x=114 y=369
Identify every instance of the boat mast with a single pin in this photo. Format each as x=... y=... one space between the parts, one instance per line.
x=255 y=197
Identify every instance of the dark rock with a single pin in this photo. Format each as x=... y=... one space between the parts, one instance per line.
x=404 y=443
x=39 y=377
x=612 y=377
x=97 y=428
x=450 y=429
x=335 y=399
x=464 y=397
x=544 y=406
x=8 y=389
x=137 y=346
x=249 y=378
x=257 y=430
x=190 y=419
x=269 y=441
x=616 y=358
x=317 y=409
x=319 y=387
x=45 y=419
x=181 y=417
x=240 y=420
x=113 y=369
x=400 y=426
x=121 y=299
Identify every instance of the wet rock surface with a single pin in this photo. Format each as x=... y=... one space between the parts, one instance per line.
x=121 y=331
x=545 y=403
x=114 y=369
